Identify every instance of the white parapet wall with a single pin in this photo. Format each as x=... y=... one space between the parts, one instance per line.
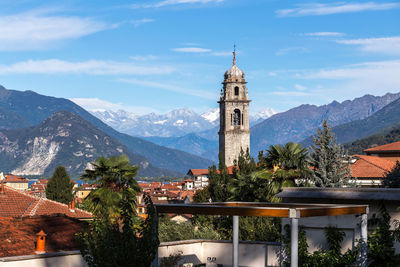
x=64 y=259
x=251 y=254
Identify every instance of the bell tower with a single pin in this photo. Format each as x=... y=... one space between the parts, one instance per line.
x=234 y=131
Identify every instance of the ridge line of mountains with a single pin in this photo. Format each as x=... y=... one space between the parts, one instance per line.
x=57 y=131
x=13 y=113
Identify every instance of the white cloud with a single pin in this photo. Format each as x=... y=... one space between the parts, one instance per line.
x=325 y=34
x=289 y=93
x=373 y=77
x=202 y=50
x=299 y=87
x=139 y=22
x=386 y=45
x=94 y=104
x=97 y=104
x=287 y=50
x=222 y=54
x=143 y=58
x=169 y=87
x=92 y=67
x=174 y=2
x=37 y=29
x=334 y=8
x=191 y=50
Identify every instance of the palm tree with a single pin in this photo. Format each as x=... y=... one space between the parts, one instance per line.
x=117 y=236
x=290 y=156
x=117 y=188
x=261 y=186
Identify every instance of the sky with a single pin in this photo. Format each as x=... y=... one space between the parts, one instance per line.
x=158 y=55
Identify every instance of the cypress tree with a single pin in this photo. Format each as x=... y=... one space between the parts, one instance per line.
x=59 y=186
x=330 y=167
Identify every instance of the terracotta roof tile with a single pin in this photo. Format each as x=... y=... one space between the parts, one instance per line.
x=10 y=178
x=370 y=166
x=197 y=172
x=19 y=235
x=15 y=203
x=384 y=148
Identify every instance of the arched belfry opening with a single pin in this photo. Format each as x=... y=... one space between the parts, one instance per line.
x=236 y=117
x=234 y=133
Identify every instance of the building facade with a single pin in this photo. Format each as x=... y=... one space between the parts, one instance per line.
x=234 y=133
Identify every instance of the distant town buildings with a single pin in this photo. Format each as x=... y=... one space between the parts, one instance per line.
x=16 y=182
x=18 y=203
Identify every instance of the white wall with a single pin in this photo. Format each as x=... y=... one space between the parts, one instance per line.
x=73 y=259
x=251 y=254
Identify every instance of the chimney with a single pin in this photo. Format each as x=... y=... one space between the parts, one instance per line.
x=71 y=206
x=2 y=178
x=41 y=242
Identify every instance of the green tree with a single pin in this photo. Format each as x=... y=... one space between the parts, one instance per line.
x=245 y=164
x=172 y=231
x=59 y=186
x=261 y=186
x=330 y=167
x=381 y=241
x=288 y=156
x=218 y=182
x=392 y=178
x=117 y=236
x=331 y=257
x=260 y=228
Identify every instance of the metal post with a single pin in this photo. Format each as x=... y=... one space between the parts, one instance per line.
x=235 y=241
x=364 y=234
x=155 y=261
x=294 y=242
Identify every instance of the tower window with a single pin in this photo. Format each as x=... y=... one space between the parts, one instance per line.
x=236 y=90
x=236 y=117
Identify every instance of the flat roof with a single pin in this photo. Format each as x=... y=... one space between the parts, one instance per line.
x=390 y=194
x=262 y=209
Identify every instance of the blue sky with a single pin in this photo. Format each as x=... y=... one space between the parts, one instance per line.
x=158 y=55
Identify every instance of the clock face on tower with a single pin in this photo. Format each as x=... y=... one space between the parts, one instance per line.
x=234 y=132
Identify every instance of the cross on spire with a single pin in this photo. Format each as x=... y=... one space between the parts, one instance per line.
x=234 y=54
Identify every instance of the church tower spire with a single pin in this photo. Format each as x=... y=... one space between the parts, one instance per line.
x=234 y=132
x=234 y=55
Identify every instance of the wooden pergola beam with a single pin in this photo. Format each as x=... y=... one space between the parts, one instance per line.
x=280 y=210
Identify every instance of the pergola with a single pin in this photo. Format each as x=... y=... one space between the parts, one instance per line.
x=281 y=210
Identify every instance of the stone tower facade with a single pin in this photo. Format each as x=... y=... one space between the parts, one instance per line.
x=234 y=132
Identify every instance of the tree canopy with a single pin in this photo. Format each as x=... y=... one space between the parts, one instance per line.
x=117 y=236
x=328 y=161
x=59 y=186
x=392 y=178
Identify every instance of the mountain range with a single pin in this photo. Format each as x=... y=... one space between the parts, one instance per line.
x=176 y=123
x=383 y=121
x=293 y=125
x=31 y=142
x=63 y=139
x=301 y=122
x=388 y=135
x=32 y=108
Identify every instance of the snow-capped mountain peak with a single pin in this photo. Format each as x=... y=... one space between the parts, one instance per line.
x=211 y=115
x=265 y=113
x=177 y=122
